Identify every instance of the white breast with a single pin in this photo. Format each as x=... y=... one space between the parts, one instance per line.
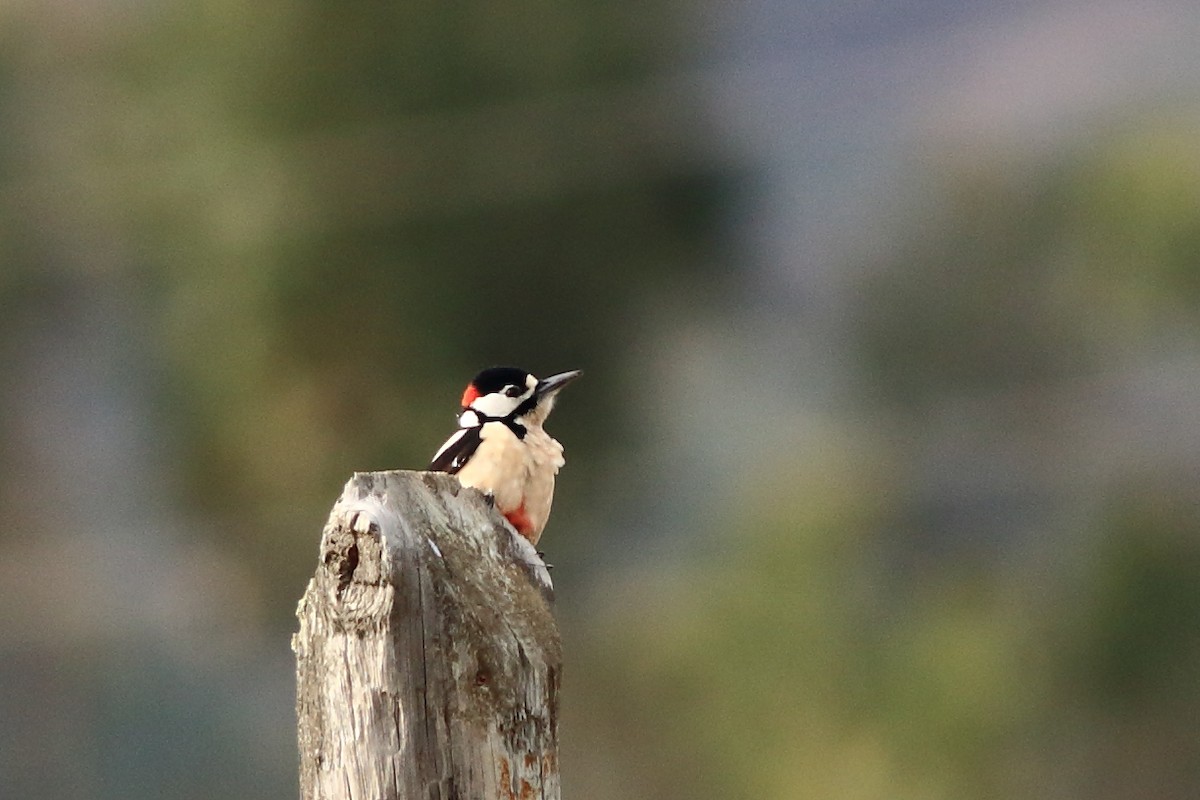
x=516 y=472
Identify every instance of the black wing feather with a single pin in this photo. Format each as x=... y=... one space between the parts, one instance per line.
x=456 y=454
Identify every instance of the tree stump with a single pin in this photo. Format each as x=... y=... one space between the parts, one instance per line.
x=427 y=661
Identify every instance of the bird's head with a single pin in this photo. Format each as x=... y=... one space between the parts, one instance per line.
x=511 y=393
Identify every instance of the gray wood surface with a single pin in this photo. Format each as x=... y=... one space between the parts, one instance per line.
x=427 y=660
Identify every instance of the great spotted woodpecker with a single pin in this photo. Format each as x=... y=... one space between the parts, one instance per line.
x=500 y=447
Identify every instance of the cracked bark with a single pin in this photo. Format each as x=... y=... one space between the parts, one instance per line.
x=427 y=660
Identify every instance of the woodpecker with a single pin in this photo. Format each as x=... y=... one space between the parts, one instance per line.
x=500 y=447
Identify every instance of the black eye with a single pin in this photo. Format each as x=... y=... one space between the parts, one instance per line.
x=513 y=391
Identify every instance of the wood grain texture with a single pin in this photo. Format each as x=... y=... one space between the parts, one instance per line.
x=427 y=660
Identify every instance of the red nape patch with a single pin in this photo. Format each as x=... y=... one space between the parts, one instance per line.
x=470 y=395
x=520 y=520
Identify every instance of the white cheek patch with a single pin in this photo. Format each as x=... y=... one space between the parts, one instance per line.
x=530 y=383
x=496 y=404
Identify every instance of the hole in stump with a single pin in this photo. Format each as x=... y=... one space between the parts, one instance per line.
x=346 y=568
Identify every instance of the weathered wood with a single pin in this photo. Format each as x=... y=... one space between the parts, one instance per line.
x=427 y=661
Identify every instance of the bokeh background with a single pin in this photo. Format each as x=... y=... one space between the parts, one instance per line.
x=883 y=477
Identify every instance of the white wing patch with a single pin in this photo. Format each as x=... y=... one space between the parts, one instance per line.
x=449 y=443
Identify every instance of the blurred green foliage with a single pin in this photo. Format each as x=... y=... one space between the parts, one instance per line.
x=333 y=216
x=1041 y=270
x=797 y=663
x=1138 y=645
x=871 y=624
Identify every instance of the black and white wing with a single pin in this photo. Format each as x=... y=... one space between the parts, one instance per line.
x=457 y=450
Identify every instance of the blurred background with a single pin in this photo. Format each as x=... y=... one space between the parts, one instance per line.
x=883 y=477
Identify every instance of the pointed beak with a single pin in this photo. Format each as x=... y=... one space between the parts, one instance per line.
x=552 y=385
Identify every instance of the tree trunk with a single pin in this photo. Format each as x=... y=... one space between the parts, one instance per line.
x=427 y=661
